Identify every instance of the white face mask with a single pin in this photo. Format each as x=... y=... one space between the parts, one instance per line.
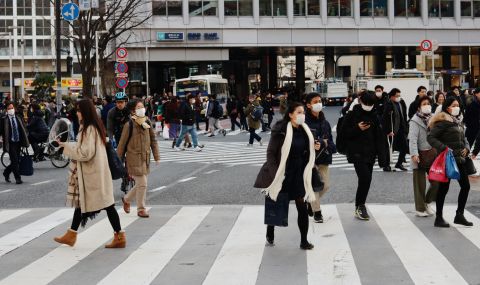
x=300 y=119
x=317 y=108
x=398 y=99
x=140 y=112
x=455 y=111
x=367 y=108
x=11 y=112
x=379 y=94
x=426 y=109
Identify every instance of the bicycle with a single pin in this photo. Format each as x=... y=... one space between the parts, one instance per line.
x=57 y=158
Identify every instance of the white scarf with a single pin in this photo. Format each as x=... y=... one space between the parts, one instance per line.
x=276 y=186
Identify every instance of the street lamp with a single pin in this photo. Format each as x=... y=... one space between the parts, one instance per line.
x=9 y=34
x=147 y=55
x=22 y=38
x=96 y=61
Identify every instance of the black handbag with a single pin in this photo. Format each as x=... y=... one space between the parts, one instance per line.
x=26 y=163
x=469 y=166
x=276 y=212
x=117 y=169
x=317 y=182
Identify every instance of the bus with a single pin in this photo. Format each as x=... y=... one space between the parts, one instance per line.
x=204 y=85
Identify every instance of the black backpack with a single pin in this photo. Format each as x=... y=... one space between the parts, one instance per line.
x=217 y=110
x=340 y=142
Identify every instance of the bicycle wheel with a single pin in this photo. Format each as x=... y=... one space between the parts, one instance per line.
x=5 y=159
x=59 y=160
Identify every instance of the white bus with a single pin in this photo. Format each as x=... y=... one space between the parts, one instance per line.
x=204 y=85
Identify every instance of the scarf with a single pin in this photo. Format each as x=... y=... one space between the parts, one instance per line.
x=458 y=120
x=276 y=186
x=425 y=117
x=141 y=121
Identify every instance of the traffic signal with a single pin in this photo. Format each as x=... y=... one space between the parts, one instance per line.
x=69 y=65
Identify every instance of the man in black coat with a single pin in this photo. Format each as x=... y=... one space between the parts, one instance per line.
x=412 y=109
x=37 y=131
x=15 y=137
x=395 y=127
x=472 y=118
x=187 y=117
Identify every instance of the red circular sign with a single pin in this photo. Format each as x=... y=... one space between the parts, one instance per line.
x=426 y=45
x=121 y=53
x=122 y=83
x=121 y=67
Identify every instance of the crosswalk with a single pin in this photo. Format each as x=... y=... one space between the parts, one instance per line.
x=237 y=153
x=226 y=245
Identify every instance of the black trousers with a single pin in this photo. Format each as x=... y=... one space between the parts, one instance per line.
x=233 y=121
x=112 y=217
x=253 y=136
x=14 y=153
x=462 y=196
x=364 y=172
x=302 y=221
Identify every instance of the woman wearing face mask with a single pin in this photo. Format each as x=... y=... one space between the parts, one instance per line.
x=446 y=130
x=137 y=141
x=439 y=100
x=322 y=133
x=418 y=144
x=288 y=169
x=365 y=142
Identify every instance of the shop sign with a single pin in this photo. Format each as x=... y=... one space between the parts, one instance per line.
x=170 y=37
x=206 y=36
x=72 y=82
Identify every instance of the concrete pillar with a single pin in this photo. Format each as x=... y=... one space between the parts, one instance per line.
x=185 y=14
x=391 y=12
x=356 y=11
x=399 y=61
x=241 y=78
x=323 y=11
x=272 y=70
x=264 y=70
x=329 y=62
x=447 y=64
x=424 y=13
x=290 y=11
x=256 y=11
x=300 y=72
x=379 y=61
x=412 y=58
x=457 y=12
x=221 y=12
x=202 y=68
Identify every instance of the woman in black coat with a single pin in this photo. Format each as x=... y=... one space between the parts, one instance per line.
x=361 y=130
x=446 y=130
x=287 y=173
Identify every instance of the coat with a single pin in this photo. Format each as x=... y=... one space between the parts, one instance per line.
x=187 y=114
x=142 y=142
x=6 y=132
x=37 y=128
x=444 y=132
x=417 y=138
x=251 y=122
x=364 y=146
x=321 y=130
x=94 y=178
x=472 y=119
x=393 y=117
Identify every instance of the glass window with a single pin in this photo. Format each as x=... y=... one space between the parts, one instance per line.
x=210 y=7
x=299 y=7
x=339 y=8
x=24 y=7
x=174 y=8
x=433 y=8
x=466 y=8
x=231 y=7
x=279 y=7
x=43 y=27
x=6 y=7
x=159 y=8
x=238 y=8
x=446 y=8
x=27 y=24
x=4 y=24
x=366 y=8
x=407 y=8
x=42 y=7
x=313 y=7
x=44 y=47
x=195 y=8
x=476 y=8
x=369 y=8
x=265 y=7
x=28 y=47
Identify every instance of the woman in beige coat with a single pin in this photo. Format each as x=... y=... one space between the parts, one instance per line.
x=90 y=187
x=137 y=142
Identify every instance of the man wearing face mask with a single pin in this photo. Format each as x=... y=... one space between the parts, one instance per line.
x=268 y=112
x=187 y=117
x=412 y=109
x=365 y=143
x=322 y=133
x=14 y=137
x=382 y=98
x=395 y=127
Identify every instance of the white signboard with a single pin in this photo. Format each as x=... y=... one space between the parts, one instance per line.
x=84 y=5
x=95 y=4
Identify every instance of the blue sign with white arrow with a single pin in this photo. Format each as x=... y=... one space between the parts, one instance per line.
x=70 y=11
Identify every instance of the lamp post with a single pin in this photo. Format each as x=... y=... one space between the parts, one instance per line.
x=97 y=61
x=147 y=55
x=22 y=41
x=10 y=53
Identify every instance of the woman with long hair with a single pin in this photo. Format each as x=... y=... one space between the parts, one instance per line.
x=90 y=187
x=287 y=173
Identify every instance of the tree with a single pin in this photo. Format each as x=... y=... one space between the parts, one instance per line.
x=119 y=18
x=43 y=85
x=316 y=69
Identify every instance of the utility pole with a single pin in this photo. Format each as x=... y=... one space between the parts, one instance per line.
x=59 y=58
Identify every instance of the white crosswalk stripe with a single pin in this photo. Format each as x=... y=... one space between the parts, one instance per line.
x=240 y=256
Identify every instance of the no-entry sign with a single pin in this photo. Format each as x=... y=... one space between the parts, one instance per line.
x=426 y=45
x=122 y=54
x=122 y=83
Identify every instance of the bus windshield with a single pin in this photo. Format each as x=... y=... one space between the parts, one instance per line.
x=192 y=86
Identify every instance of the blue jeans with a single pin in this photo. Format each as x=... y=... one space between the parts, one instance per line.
x=192 y=131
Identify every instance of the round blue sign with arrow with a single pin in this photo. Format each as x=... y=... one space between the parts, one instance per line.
x=70 y=11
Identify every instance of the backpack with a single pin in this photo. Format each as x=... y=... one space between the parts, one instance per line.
x=257 y=113
x=340 y=142
x=218 y=111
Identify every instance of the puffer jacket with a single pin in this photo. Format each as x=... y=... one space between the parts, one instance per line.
x=444 y=132
x=417 y=138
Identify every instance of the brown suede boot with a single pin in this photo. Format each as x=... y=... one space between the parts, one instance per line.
x=119 y=240
x=69 y=238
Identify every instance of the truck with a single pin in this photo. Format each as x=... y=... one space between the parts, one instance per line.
x=333 y=91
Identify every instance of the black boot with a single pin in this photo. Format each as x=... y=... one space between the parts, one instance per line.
x=460 y=219
x=270 y=235
x=306 y=245
x=440 y=222
x=7 y=177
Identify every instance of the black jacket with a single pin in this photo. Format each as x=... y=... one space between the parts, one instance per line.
x=364 y=146
x=412 y=109
x=380 y=105
x=398 y=122
x=321 y=130
x=6 y=132
x=37 y=128
x=267 y=107
x=472 y=116
x=187 y=114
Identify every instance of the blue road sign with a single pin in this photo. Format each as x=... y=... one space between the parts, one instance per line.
x=70 y=11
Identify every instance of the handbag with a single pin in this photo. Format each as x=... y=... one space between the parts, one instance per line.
x=26 y=163
x=426 y=158
x=451 y=167
x=276 y=212
x=117 y=169
x=469 y=166
x=317 y=182
x=437 y=171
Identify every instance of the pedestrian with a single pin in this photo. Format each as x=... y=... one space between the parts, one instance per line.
x=268 y=112
x=322 y=133
x=37 y=131
x=283 y=103
x=439 y=99
x=90 y=186
x=472 y=118
x=172 y=108
x=137 y=143
x=187 y=117
x=232 y=112
x=241 y=106
x=254 y=113
x=288 y=169
x=198 y=111
x=421 y=150
x=214 y=113
x=117 y=117
x=412 y=109
x=382 y=99
x=446 y=130
x=14 y=137
x=365 y=143
x=395 y=127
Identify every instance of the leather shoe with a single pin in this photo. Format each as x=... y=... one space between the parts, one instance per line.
x=18 y=181
x=143 y=214
x=440 y=223
x=401 y=167
x=387 y=169
x=7 y=177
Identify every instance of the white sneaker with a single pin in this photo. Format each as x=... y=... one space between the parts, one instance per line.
x=177 y=148
x=429 y=210
x=197 y=149
x=421 y=214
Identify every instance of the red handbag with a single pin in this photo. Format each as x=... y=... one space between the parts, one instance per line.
x=437 y=172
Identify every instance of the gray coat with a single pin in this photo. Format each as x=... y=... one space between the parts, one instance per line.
x=417 y=138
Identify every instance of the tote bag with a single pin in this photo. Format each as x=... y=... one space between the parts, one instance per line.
x=26 y=163
x=437 y=171
x=451 y=167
